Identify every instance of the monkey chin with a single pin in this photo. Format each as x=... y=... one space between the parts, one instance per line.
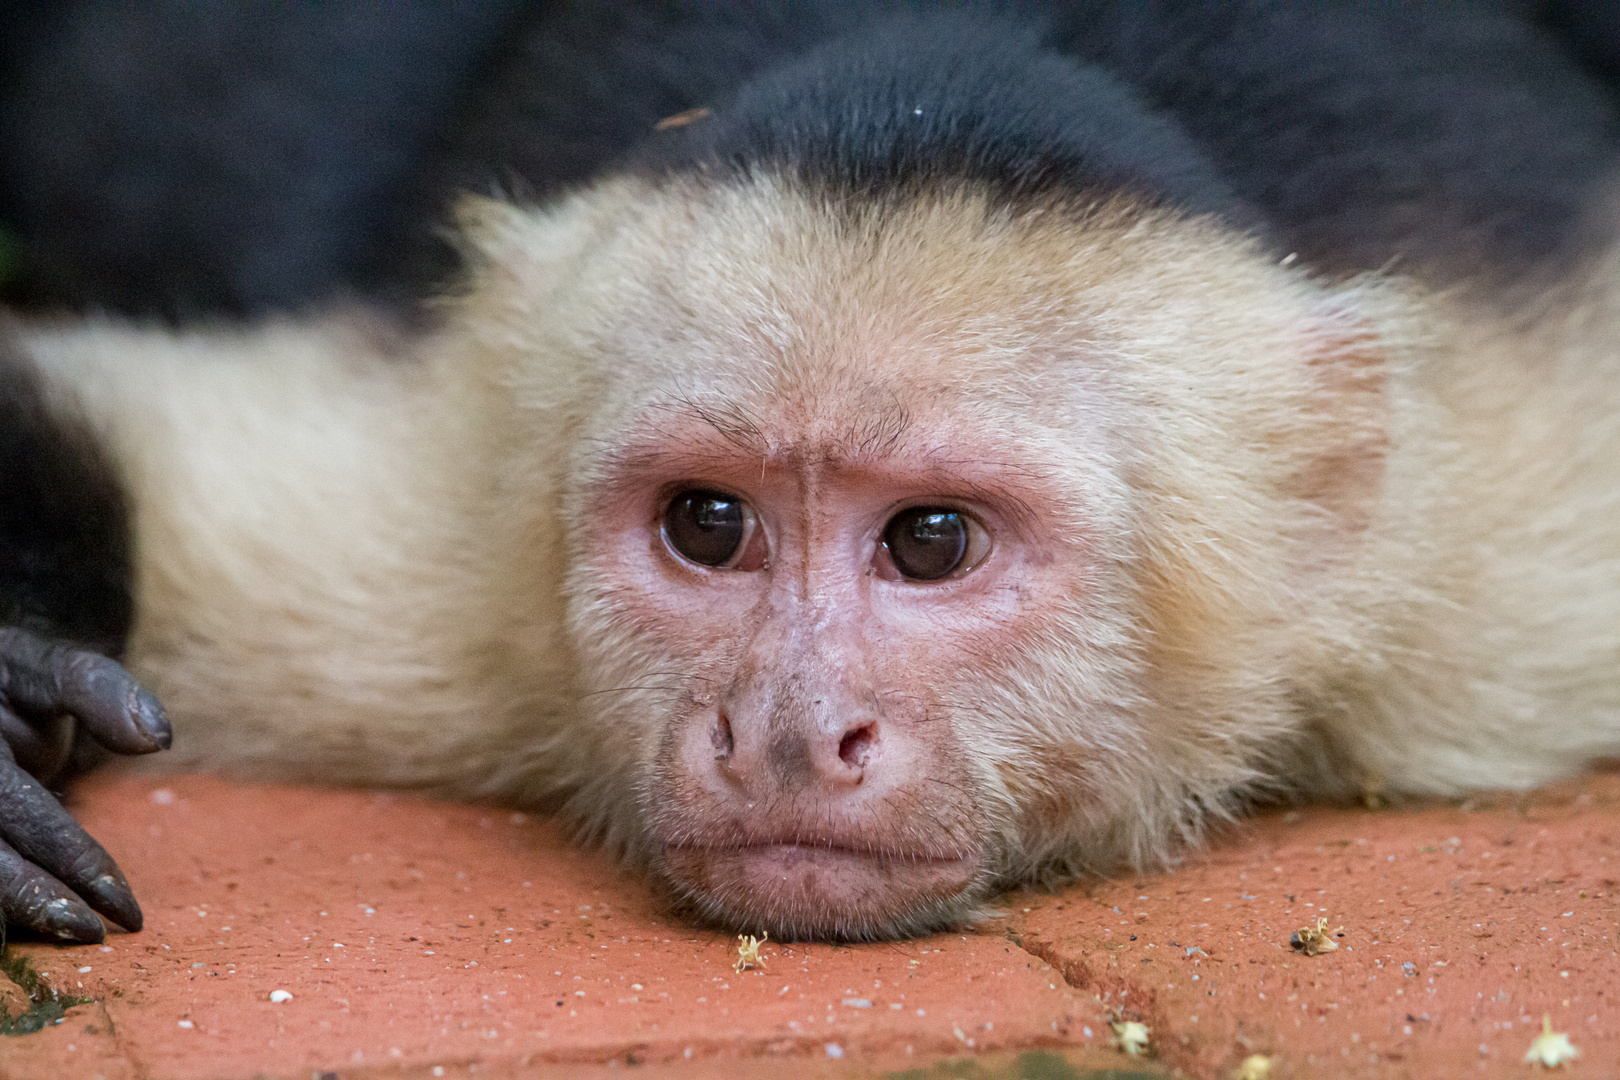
x=799 y=890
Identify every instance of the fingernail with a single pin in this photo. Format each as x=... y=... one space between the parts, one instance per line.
x=71 y=921
x=111 y=896
x=153 y=719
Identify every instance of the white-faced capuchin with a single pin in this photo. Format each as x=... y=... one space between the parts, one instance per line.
x=880 y=456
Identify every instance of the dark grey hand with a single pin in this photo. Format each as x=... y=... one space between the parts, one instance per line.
x=53 y=876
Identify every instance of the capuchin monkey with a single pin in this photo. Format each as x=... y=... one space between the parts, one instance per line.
x=931 y=451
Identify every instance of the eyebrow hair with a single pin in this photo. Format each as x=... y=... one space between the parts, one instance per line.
x=885 y=429
x=730 y=420
x=882 y=425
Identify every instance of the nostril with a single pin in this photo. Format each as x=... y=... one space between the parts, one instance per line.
x=856 y=747
x=721 y=738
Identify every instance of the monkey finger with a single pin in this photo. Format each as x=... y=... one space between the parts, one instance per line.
x=40 y=747
x=40 y=831
x=31 y=898
x=43 y=678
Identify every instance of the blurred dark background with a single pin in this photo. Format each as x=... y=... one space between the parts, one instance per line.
x=190 y=158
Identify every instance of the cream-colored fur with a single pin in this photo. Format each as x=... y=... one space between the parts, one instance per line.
x=318 y=514
x=1332 y=535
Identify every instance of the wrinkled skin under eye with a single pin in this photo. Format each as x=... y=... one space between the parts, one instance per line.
x=928 y=543
x=710 y=528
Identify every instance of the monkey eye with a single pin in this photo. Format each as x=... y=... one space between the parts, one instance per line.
x=927 y=543
x=712 y=528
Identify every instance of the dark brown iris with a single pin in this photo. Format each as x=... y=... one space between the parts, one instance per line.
x=927 y=542
x=708 y=527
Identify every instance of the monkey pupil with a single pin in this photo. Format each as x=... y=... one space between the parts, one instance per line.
x=927 y=543
x=705 y=526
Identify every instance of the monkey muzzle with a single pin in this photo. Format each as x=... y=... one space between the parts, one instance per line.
x=811 y=817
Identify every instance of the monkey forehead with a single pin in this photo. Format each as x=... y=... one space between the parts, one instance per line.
x=871 y=403
x=765 y=293
x=787 y=325
x=767 y=314
x=762 y=320
x=768 y=286
x=629 y=292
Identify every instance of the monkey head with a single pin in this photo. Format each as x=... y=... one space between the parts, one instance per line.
x=921 y=545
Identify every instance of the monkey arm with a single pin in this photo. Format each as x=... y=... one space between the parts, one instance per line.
x=314 y=518
x=64 y=575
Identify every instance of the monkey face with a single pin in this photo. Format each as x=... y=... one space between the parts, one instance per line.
x=888 y=578
x=797 y=574
x=828 y=601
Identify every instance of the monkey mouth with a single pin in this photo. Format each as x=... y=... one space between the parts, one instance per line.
x=799 y=889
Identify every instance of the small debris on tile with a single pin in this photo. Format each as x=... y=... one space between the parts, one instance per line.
x=748 y=952
x=1314 y=940
x=279 y=996
x=1132 y=1036
x=1551 y=1048
x=1254 y=1067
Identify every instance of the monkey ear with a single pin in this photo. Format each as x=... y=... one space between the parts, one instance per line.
x=1346 y=345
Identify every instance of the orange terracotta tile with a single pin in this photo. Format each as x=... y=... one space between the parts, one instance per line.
x=423 y=939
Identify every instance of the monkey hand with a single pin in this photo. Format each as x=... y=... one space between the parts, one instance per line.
x=53 y=876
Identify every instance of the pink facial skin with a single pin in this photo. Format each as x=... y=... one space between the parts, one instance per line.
x=813 y=777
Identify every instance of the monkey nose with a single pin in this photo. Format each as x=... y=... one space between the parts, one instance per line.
x=721 y=739
x=801 y=757
x=857 y=745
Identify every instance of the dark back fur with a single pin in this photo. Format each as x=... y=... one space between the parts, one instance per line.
x=911 y=101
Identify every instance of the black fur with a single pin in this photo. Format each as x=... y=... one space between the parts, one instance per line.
x=578 y=86
x=188 y=159
x=65 y=559
x=912 y=101
x=1456 y=139
x=1591 y=29
x=1451 y=140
